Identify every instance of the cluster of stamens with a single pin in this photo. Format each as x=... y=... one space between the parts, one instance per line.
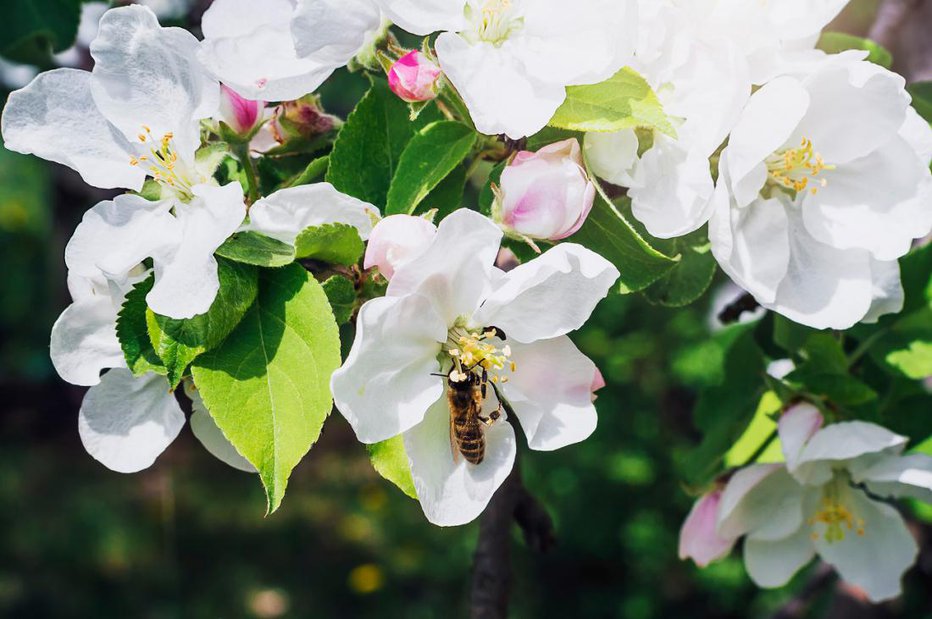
x=471 y=350
x=161 y=162
x=797 y=168
x=493 y=23
x=836 y=516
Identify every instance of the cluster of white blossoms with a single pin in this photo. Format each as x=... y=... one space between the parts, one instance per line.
x=810 y=170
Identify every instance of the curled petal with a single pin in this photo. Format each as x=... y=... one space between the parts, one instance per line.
x=334 y=30
x=205 y=429
x=699 y=539
x=396 y=240
x=840 y=443
x=796 y=426
x=84 y=341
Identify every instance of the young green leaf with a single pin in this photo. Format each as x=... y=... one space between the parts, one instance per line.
x=333 y=243
x=433 y=153
x=133 y=332
x=32 y=29
x=835 y=42
x=623 y=101
x=922 y=99
x=268 y=385
x=390 y=460
x=448 y=195
x=179 y=342
x=342 y=296
x=690 y=278
x=256 y=249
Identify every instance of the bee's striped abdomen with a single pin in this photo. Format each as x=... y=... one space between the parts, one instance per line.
x=469 y=439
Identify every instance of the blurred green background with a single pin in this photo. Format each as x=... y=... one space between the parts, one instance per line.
x=187 y=538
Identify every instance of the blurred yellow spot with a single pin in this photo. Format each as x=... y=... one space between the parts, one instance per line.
x=373 y=497
x=366 y=578
x=268 y=603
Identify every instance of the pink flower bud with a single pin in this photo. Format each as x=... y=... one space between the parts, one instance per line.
x=303 y=118
x=699 y=539
x=414 y=77
x=396 y=240
x=242 y=115
x=545 y=195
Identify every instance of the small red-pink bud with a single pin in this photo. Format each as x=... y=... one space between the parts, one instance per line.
x=414 y=77
x=242 y=115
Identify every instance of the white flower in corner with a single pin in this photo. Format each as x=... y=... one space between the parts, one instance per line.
x=820 y=190
x=279 y=50
x=136 y=115
x=829 y=499
x=512 y=60
x=703 y=83
x=455 y=328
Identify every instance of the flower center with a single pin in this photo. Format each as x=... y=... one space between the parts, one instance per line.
x=796 y=168
x=837 y=517
x=161 y=162
x=493 y=23
x=472 y=350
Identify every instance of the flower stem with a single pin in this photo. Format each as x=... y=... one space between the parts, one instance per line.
x=241 y=151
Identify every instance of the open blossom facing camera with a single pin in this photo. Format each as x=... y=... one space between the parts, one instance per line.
x=544 y=195
x=827 y=501
x=455 y=328
x=800 y=218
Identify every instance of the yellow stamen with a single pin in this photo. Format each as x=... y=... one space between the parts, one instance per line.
x=795 y=168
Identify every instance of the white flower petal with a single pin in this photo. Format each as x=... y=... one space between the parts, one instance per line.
x=55 y=118
x=551 y=393
x=612 y=156
x=334 y=30
x=455 y=271
x=426 y=16
x=796 y=426
x=888 y=295
x=287 y=212
x=148 y=75
x=186 y=280
x=906 y=476
x=762 y=500
x=239 y=18
x=115 y=236
x=125 y=422
x=699 y=540
x=568 y=280
x=839 y=443
x=451 y=490
x=500 y=94
x=211 y=437
x=876 y=560
x=772 y=563
x=386 y=385
x=84 y=341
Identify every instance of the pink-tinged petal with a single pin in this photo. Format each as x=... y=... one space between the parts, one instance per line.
x=699 y=539
x=239 y=113
x=598 y=383
x=414 y=77
x=796 y=426
x=396 y=240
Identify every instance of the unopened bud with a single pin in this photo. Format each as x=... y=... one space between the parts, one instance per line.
x=414 y=77
x=303 y=118
x=241 y=115
x=397 y=239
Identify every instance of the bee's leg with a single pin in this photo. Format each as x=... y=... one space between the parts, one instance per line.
x=485 y=382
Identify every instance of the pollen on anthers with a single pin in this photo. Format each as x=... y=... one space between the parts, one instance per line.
x=798 y=168
x=161 y=162
x=836 y=516
x=471 y=350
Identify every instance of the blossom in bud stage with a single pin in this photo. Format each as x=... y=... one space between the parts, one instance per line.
x=241 y=115
x=137 y=115
x=511 y=60
x=414 y=77
x=396 y=240
x=823 y=186
x=303 y=118
x=699 y=539
x=546 y=194
x=449 y=314
x=823 y=501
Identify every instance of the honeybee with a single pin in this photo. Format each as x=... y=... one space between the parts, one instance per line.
x=466 y=394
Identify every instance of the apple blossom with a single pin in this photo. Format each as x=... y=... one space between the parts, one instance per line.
x=825 y=501
x=445 y=313
x=241 y=115
x=819 y=193
x=699 y=539
x=414 y=77
x=545 y=194
x=396 y=240
x=511 y=60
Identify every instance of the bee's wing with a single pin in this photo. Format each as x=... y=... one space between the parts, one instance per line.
x=454 y=448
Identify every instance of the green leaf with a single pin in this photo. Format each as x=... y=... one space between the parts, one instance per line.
x=314 y=171
x=922 y=99
x=390 y=460
x=835 y=42
x=448 y=195
x=789 y=335
x=841 y=389
x=256 y=249
x=609 y=234
x=25 y=194
x=179 y=342
x=433 y=153
x=370 y=144
x=133 y=333
x=31 y=30
x=333 y=243
x=823 y=352
x=268 y=385
x=342 y=296
x=688 y=280
x=624 y=101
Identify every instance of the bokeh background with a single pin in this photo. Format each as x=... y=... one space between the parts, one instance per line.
x=187 y=538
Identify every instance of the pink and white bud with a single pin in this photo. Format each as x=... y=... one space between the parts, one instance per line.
x=396 y=240
x=598 y=382
x=414 y=77
x=242 y=115
x=699 y=539
x=545 y=195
